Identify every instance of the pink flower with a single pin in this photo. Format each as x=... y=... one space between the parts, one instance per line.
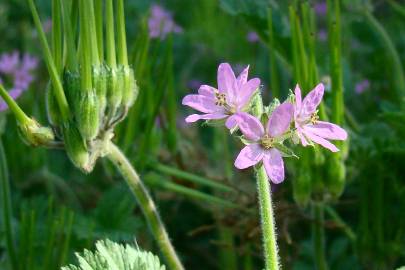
x=362 y=86
x=264 y=141
x=309 y=128
x=226 y=102
x=252 y=37
x=161 y=23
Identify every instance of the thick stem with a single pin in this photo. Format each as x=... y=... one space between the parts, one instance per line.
x=318 y=235
x=147 y=205
x=267 y=221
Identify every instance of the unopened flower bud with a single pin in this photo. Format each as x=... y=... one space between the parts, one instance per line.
x=32 y=133
x=100 y=77
x=88 y=114
x=75 y=146
x=130 y=92
x=114 y=94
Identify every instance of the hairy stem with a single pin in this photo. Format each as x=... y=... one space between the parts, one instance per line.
x=267 y=221
x=319 y=236
x=146 y=204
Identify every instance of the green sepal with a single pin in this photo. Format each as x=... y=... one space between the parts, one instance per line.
x=285 y=151
x=256 y=104
x=245 y=141
x=272 y=106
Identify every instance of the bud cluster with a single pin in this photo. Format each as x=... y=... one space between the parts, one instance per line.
x=92 y=85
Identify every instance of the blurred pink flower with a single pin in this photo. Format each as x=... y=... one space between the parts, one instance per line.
x=252 y=37
x=323 y=35
x=321 y=8
x=362 y=86
x=231 y=97
x=18 y=72
x=263 y=141
x=161 y=23
x=309 y=128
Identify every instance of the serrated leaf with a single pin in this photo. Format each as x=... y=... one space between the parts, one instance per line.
x=114 y=256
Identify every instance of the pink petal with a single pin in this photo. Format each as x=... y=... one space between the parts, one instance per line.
x=320 y=140
x=232 y=121
x=210 y=116
x=206 y=90
x=327 y=130
x=227 y=82
x=312 y=100
x=250 y=126
x=242 y=78
x=274 y=165
x=301 y=136
x=246 y=91
x=201 y=103
x=298 y=99
x=280 y=119
x=249 y=156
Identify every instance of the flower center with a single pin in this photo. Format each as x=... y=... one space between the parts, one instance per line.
x=267 y=142
x=314 y=118
x=220 y=99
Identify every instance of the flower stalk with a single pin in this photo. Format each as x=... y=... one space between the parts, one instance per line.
x=267 y=220
x=146 y=204
x=318 y=235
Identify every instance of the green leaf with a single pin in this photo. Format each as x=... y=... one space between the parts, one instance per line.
x=114 y=256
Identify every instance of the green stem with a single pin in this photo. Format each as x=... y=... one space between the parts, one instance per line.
x=19 y=114
x=50 y=62
x=7 y=211
x=146 y=204
x=121 y=35
x=110 y=36
x=319 y=236
x=267 y=221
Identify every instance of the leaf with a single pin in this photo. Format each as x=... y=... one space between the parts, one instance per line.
x=114 y=256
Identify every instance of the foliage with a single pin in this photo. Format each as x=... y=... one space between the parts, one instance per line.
x=113 y=256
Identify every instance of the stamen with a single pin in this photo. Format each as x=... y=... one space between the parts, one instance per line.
x=314 y=118
x=220 y=99
x=267 y=142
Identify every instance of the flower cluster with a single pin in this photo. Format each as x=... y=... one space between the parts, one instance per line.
x=264 y=135
x=16 y=71
x=161 y=23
